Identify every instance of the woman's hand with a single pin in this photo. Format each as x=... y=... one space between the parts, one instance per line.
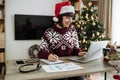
x=52 y=57
x=82 y=53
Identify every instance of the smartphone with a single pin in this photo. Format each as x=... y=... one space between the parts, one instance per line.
x=20 y=62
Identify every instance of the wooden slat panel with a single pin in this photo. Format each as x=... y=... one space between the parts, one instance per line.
x=2 y=44
x=2 y=57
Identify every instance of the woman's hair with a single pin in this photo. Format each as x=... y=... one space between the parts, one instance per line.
x=60 y=18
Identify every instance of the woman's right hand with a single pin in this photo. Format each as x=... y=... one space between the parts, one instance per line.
x=52 y=57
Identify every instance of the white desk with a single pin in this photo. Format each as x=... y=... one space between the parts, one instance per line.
x=91 y=67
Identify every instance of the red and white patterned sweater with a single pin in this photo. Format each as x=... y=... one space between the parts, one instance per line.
x=62 y=42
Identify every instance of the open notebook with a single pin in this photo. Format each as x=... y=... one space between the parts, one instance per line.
x=94 y=52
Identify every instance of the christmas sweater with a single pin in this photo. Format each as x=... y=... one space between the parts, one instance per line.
x=62 y=42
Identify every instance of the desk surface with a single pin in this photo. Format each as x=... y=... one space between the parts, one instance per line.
x=90 y=67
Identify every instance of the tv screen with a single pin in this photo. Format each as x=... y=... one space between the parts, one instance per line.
x=31 y=27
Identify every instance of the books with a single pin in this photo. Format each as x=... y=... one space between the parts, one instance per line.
x=48 y=62
x=61 y=67
x=115 y=62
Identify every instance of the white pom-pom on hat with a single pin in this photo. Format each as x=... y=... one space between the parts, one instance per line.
x=55 y=19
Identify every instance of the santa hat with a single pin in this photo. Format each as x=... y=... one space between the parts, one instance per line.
x=61 y=8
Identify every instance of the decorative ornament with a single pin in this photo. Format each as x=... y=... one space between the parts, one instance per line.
x=90 y=4
x=97 y=33
x=99 y=26
x=78 y=26
x=85 y=48
x=102 y=36
x=81 y=28
x=33 y=51
x=91 y=10
x=84 y=40
x=92 y=18
x=93 y=24
x=93 y=36
x=82 y=23
x=79 y=22
x=85 y=7
x=86 y=16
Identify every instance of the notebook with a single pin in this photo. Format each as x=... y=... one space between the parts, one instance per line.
x=94 y=52
x=48 y=62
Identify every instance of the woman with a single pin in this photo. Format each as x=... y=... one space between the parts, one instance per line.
x=61 y=39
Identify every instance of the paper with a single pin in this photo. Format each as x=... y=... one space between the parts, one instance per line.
x=48 y=62
x=61 y=67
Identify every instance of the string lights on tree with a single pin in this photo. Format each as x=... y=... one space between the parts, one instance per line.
x=89 y=27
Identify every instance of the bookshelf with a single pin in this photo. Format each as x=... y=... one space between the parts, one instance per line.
x=2 y=38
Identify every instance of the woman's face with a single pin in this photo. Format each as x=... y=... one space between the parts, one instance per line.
x=67 y=20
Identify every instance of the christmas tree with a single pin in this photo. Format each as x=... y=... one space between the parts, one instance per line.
x=89 y=27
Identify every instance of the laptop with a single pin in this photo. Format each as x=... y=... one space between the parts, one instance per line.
x=95 y=51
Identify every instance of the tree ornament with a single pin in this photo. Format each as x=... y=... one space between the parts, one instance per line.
x=93 y=36
x=85 y=7
x=90 y=4
x=93 y=24
x=83 y=23
x=81 y=28
x=84 y=40
x=85 y=48
x=78 y=26
x=92 y=18
x=91 y=10
x=84 y=33
x=86 y=16
x=97 y=33
x=102 y=36
x=79 y=22
x=99 y=26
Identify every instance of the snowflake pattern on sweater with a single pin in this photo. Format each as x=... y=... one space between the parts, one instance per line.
x=58 y=43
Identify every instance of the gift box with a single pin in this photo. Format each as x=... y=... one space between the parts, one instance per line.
x=112 y=57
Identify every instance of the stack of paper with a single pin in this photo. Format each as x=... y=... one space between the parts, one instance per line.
x=61 y=67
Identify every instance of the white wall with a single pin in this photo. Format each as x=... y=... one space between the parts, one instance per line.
x=116 y=22
x=19 y=49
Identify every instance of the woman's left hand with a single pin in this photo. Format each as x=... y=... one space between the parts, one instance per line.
x=82 y=53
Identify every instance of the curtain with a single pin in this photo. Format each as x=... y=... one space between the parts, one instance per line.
x=105 y=15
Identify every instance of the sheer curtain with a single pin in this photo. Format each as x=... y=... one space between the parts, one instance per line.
x=110 y=17
x=116 y=21
x=105 y=14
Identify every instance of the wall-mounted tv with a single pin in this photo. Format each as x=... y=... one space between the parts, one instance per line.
x=31 y=27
